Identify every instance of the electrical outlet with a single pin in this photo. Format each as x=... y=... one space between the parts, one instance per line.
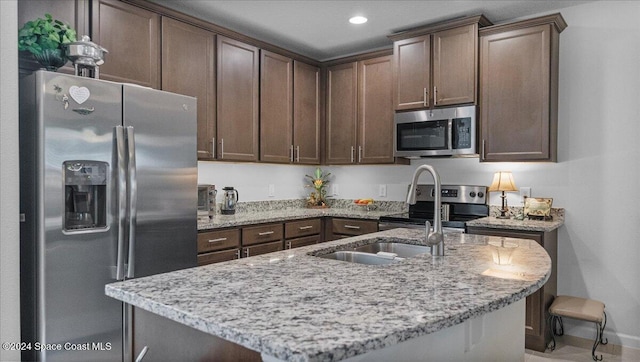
x=335 y=190
x=272 y=190
x=382 y=190
x=525 y=191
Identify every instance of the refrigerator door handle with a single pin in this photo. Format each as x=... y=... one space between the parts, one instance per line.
x=122 y=200
x=133 y=195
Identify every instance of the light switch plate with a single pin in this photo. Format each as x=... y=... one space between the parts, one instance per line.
x=382 y=190
x=272 y=190
x=335 y=190
x=525 y=191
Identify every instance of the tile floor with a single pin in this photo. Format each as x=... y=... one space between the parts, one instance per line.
x=564 y=352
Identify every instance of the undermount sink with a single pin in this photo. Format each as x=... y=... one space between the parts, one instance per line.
x=378 y=253
x=360 y=258
x=402 y=250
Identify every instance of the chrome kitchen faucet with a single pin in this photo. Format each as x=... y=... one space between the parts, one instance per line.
x=434 y=239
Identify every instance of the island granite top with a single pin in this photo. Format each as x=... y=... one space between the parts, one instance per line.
x=295 y=306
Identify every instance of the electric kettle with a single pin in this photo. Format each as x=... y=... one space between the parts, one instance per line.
x=229 y=201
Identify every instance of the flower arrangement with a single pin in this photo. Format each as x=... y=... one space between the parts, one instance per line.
x=318 y=182
x=45 y=39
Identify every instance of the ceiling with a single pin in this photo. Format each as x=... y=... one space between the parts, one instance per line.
x=320 y=29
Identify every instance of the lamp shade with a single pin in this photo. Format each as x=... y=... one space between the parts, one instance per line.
x=503 y=181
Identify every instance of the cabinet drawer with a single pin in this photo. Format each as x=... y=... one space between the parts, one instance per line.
x=218 y=256
x=353 y=227
x=261 y=234
x=262 y=249
x=295 y=229
x=218 y=240
x=304 y=241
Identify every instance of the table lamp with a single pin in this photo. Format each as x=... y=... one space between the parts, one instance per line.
x=503 y=181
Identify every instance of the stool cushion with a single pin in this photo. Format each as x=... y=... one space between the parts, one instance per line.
x=578 y=308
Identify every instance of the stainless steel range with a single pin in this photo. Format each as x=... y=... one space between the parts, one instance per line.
x=460 y=203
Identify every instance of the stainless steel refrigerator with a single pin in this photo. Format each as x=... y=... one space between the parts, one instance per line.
x=108 y=192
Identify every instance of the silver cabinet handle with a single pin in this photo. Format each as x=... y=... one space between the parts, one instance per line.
x=213 y=148
x=483 y=143
x=425 y=96
x=291 y=153
x=122 y=200
x=288 y=245
x=142 y=354
x=353 y=149
x=306 y=227
x=133 y=200
x=218 y=239
x=246 y=252
x=222 y=148
x=298 y=154
x=238 y=254
x=352 y=227
x=435 y=95
x=266 y=233
x=359 y=154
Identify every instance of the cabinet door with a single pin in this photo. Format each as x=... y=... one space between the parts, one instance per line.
x=262 y=249
x=300 y=242
x=72 y=12
x=132 y=37
x=218 y=256
x=192 y=75
x=261 y=234
x=412 y=67
x=375 y=111
x=237 y=95
x=276 y=108
x=342 y=100
x=306 y=113
x=455 y=59
x=218 y=240
x=296 y=229
x=515 y=94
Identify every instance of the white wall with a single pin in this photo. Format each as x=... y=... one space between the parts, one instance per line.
x=9 y=181
x=595 y=179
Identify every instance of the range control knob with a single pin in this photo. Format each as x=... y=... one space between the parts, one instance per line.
x=472 y=194
x=480 y=194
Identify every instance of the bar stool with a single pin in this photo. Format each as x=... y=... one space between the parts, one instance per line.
x=578 y=308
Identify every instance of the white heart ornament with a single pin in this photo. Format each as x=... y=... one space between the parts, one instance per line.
x=79 y=94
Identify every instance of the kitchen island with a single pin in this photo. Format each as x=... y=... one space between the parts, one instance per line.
x=292 y=305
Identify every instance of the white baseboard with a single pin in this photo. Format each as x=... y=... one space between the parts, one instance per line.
x=587 y=330
x=631 y=354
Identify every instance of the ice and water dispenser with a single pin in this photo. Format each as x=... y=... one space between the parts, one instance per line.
x=85 y=195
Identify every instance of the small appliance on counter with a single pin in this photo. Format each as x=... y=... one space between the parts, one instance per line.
x=206 y=202
x=229 y=201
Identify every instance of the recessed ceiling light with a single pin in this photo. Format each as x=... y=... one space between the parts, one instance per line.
x=358 y=20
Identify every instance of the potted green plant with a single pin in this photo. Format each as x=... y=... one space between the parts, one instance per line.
x=45 y=39
x=319 y=181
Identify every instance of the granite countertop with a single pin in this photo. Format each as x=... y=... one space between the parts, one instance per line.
x=294 y=306
x=514 y=224
x=286 y=210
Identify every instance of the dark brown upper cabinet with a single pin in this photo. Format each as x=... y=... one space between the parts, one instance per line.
x=307 y=118
x=276 y=108
x=437 y=65
x=519 y=90
x=195 y=76
x=237 y=100
x=359 y=117
x=132 y=37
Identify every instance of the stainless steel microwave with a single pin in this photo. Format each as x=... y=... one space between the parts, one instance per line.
x=435 y=132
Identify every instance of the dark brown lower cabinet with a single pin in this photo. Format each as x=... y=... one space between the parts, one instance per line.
x=217 y=246
x=537 y=333
x=303 y=241
x=338 y=228
x=261 y=249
